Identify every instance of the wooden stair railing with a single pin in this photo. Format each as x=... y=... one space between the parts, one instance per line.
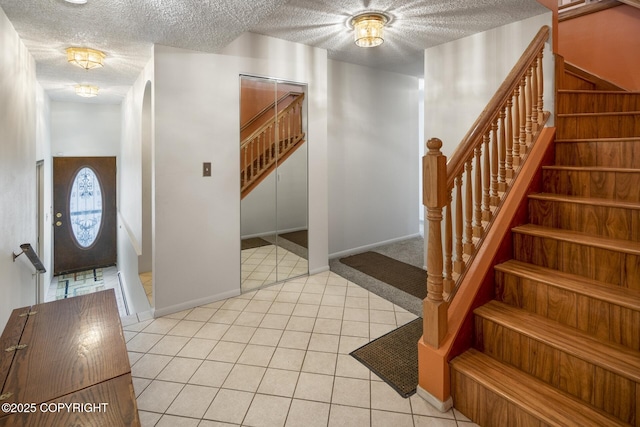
x=559 y=319
x=577 y=9
x=496 y=146
x=270 y=144
x=281 y=103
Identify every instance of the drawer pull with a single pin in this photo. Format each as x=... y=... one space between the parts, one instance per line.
x=15 y=347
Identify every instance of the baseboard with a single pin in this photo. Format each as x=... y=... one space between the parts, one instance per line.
x=195 y=303
x=319 y=270
x=371 y=246
x=434 y=401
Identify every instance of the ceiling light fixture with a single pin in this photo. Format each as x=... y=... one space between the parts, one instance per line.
x=87 y=91
x=85 y=57
x=76 y=1
x=369 y=28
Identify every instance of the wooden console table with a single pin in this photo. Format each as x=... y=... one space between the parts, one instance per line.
x=65 y=363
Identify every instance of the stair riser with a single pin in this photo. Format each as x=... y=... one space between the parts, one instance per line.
x=605 y=221
x=599 y=318
x=592 y=384
x=494 y=410
x=598 y=126
x=610 y=154
x=597 y=102
x=622 y=186
x=609 y=266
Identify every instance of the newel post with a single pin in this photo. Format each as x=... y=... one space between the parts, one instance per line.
x=434 y=176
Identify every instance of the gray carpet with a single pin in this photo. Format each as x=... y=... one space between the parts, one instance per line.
x=410 y=251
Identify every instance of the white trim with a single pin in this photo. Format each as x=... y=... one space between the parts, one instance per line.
x=434 y=401
x=367 y=247
x=319 y=270
x=134 y=242
x=195 y=303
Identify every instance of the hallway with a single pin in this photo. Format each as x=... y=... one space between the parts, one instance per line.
x=273 y=357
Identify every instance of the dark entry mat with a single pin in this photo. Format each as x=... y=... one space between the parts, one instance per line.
x=403 y=276
x=298 y=237
x=253 y=242
x=394 y=357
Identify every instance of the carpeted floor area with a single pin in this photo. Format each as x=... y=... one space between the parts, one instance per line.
x=398 y=274
x=409 y=251
x=252 y=242
x=300 y=238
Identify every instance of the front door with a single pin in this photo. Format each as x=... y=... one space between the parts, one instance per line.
x=84 y=202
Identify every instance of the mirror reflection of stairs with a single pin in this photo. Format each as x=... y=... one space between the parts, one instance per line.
x=271 y=144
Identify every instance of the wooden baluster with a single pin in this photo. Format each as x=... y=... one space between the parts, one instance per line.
x=261 y=147
x=522 y=137
x=435 y=197
x=534 y=95
x=540 y=88
x=509 y=123
x=267 y=133
x=494 y=164
x=516 y=126
x=272 y=143
x=528 y=104
x=243 y=174
x=469 y=247
x=486 y=179
x=251 y=161
x=448 y=251
x=478 y=229
x=289 y=127
x=458 y=264
x=502 y=153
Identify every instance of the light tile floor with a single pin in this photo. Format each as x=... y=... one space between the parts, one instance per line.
x=147 y=283
x=278 y=356
x=269 y=264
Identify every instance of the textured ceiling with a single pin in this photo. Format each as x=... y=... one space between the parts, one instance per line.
x=127 y=29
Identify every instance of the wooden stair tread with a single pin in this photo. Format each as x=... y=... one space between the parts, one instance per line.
x=530 y=394
x=624 y=297
x=582 y=140
x=598 y=92
x=626 y=246
x=590 y=169
x=611 y=203
x=613 y=357
x=603 y=113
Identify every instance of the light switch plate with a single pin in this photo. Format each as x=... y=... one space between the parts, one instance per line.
x=206 y=169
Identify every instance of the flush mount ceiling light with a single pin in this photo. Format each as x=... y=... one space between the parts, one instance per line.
x=85 y=57
x=369 y=28
x=87 y=91
x=76 y=1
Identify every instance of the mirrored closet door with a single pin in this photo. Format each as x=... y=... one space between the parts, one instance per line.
x=273 y=181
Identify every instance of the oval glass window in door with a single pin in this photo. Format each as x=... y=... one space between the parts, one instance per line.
x=85 y=207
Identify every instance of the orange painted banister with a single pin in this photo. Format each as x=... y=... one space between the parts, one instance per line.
x=498 y=146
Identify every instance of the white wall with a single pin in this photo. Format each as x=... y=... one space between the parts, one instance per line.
x=130 y=190
x=18 y=115
x=462 y=76
x=79 y=129
x=197 y=219
x=43 y=153
x=373 y=157
x=260 y=213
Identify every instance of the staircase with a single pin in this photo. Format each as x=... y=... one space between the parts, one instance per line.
x=560 y=344
x=272 y=142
